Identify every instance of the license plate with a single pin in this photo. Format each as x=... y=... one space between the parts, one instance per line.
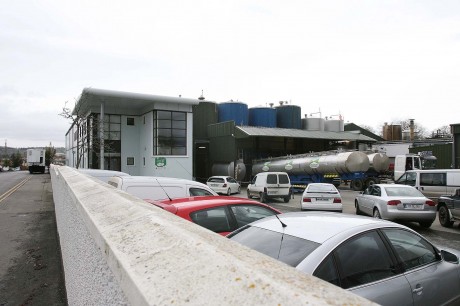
x=322 y=199
x=272 y=192
x=413 y=206
x=215 y=185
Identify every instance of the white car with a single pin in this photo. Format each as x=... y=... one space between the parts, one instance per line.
x=321 y=196
x=224 y=184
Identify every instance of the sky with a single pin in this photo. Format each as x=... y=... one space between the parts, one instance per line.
x=369 y=61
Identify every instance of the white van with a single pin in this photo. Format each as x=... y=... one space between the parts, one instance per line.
x=432 y=183
x=269 y=185
x=103 y=175
x=158 y=188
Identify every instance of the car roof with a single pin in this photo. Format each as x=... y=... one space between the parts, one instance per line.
x=319 y=226
x=203 y=202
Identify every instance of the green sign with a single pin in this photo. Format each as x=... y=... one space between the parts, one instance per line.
x=160 y=161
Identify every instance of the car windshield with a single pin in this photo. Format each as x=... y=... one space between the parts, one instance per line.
x=322 y=188
x=403 y=192
x=288 y=249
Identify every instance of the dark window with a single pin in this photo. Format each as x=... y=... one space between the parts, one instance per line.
x=194 y=192
x=364 y=259
x=272 y=179
x=413 y=250
x=327 y=271
x=130 y=161
x=245 y=214
x=214 y=219
x=169 y=133
x=216 y=180
x=284 y=179
x=288 y=249
x=130 y=121
x=433 y=179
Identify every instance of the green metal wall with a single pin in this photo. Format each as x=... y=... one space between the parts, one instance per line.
x=443 y=153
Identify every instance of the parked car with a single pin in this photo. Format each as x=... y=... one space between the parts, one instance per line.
x=396 y=203
x=270 y=185
x=220 y=214
x=449 y=209
x=102 y=175
x=321 y=196
x=382 y=261
x=224 y=184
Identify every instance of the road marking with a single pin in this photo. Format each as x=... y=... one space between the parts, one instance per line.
x=12 y=190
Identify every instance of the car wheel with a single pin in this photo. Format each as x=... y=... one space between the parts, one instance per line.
x=287 y=198
x=358 y=211
x=239 y=190
x=444 y=217
x=249 y=194
x=425 y=224
x=229 y=191
x=262 y=197
x=377 y=213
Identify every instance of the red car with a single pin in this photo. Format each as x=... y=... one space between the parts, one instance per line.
x=220 y=214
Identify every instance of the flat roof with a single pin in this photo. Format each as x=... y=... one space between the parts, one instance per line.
x=297 y=133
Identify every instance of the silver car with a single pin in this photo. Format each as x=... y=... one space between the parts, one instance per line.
x=382 y=261
x=321 y=196
x=396 y=203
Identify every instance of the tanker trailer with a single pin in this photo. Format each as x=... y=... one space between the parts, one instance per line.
x=228 y=169
x=318 y=168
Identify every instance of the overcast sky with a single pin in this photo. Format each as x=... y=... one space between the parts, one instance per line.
x=370 y=61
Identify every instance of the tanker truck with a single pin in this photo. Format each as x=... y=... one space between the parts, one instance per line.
x=356 y=167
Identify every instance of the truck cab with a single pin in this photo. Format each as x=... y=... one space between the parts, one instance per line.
x=449 y=209
x=405 y=163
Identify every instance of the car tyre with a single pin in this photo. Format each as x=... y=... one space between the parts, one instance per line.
x=262 y=197
x=287 y=198
x=358 y=211
x=249 y=194
x=239 y=190
x=229 y=191
x=444 y=217
x=377 y=214
x=425 y=224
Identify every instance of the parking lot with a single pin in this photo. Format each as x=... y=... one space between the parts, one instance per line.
x=436 y=233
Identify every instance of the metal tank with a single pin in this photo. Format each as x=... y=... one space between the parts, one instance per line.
x=228 y=169
x=313 y=124
x=334 y=126
x=344 y=162
x=379 y=162
x=288 y=116
x=236 y=111
x=262 y=116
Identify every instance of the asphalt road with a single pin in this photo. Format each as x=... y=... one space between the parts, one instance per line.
x=30 y=258
x=437 y=234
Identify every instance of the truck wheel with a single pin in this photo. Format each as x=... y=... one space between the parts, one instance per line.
x=444 y=217
x=262 y=197
x=358 y=185
x=371 y=181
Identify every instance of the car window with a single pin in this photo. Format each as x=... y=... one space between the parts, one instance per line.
x=284 y=179
x=216 y=180
x=254 y=180
x=407 y=179
x=403 y=192
x=245 y=214
x=368 y=190
x=231 y=180
x=195 y=191
x=364 y=259
x=376 y=191
x=433 y=179
x=214 y=219
x=327 y=271
x=412 y=249
x=322 y=189
x=288 y=249
x=272 y=179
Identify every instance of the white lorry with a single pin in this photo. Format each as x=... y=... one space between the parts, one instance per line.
x=36 y=160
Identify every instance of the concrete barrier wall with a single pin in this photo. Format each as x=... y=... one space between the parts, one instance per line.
x=120 y=250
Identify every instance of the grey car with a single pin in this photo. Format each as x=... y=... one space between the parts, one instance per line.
x=396 y=203
x=380 y=260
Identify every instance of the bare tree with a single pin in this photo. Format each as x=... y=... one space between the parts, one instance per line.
x=88 y=134
x=442 y=132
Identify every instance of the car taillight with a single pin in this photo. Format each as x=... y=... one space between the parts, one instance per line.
x=430 y=203
x=224 y=185
x=337 y=200
x=394 y=202
x=306 y=200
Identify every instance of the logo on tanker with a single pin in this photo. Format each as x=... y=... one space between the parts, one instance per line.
x=288 y=166
x=314 y=164
x=266 y=166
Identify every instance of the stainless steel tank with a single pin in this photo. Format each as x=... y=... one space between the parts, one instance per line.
x=379 y=162
x=345 y=162
x=228 y=169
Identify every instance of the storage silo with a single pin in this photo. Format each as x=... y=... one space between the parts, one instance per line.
x=313 y=124
x=262 y=116
x=288 y=116
x=236 y=111
x=334 y=126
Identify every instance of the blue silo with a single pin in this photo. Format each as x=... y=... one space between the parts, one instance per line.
x=262 y=116
x=236 y=111
x=289 y=116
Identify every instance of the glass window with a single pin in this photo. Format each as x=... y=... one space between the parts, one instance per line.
x=433 y=179
x=272 y=179
x=130 y=121
x=216 y=180
x=130 y=161
x=403 y=192
x=170 y=133
x=327 y=271
x=214 y=219
x=284 y=179
x=364 y=259
x=245 y=214
x=412 y=249
x=194 y=192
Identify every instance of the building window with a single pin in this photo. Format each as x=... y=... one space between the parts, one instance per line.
x=130 y=121
x=130 y=161
x=169 y=133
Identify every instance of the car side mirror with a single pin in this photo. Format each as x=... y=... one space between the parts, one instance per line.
x=449 y=257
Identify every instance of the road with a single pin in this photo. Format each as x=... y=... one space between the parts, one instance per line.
x=437 y=234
